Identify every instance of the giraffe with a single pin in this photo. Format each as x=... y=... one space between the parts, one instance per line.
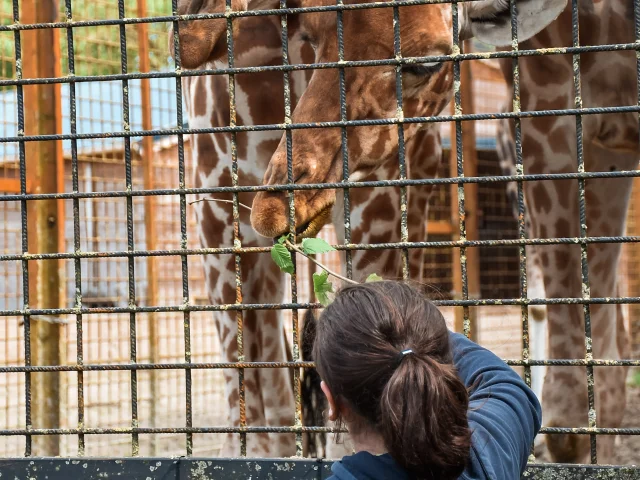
x=316 y=157
x=549 y=145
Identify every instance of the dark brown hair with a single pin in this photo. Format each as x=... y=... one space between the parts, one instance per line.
x=415 y=401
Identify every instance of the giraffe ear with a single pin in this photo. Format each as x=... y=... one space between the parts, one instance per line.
x=490 y=20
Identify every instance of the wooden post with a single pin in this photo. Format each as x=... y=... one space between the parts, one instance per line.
x=149 y=211
x=43 y=170
x=632 y=277
x=471 y=198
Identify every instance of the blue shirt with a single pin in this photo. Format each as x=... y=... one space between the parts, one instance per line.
x=504 y=417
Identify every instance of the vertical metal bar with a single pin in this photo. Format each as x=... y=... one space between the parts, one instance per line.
x=149 y=209
x=183 y=230
x=470 y=197
x=135 y=444
x=292 y=228
x=42 y=163
x=76 y=223
x=460 y=167
x=24 y=222
x=237 y=240
x=404 y=228
x=522 y=234
x=343 y=142
x=586 y=290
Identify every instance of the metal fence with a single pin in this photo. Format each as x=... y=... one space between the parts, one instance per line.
x=105 y=305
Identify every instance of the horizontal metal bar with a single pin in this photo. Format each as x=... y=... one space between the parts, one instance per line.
x=460 y=57
x=305 y=306
x=325 y=186
x=334 y=124
x=351 y=247
x=115 y=367
x=263 y=429
x=223 y=15
x=204 y=468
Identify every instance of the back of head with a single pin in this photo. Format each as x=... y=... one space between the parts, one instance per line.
x=414 y=399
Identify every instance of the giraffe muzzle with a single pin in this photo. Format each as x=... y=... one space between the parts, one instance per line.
x=313 y=227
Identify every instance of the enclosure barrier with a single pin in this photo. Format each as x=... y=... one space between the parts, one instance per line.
x=42 y=196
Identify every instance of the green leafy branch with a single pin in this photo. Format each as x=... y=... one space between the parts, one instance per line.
x=322 y=287
x=281 y=255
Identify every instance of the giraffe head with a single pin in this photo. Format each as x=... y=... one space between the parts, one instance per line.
x=205 y=40
x=425 y=30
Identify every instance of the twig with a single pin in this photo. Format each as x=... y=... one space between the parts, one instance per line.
x=327 y=269
x=219 y=200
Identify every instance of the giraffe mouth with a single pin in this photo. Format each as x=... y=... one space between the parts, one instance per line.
x=313 y=227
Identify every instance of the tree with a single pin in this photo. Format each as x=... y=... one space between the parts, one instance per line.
x=96 y=49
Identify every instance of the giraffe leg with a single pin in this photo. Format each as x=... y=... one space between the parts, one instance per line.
x=268 y=392
x=538 y=348
x=555 y=213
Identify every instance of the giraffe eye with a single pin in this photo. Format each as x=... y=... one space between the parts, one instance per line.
x=423 y=69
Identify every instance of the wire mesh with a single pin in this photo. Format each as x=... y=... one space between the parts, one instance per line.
x=140 y=368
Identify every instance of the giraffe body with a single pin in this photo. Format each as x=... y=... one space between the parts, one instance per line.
x=549 y=145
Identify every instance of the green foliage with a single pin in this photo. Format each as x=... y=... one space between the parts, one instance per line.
x=313 y=246
x=97 y=50
x=282 y=257
x=322 y=286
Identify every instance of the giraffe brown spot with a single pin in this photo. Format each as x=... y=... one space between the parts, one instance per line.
x=231 y=263
x=271 y=319
x=253 y=414
x=234 y=397
x=214 y=275
x=562 y=259
x=212 y=228
x=544 y=258
x=559 y=140
x=228 y=294
x=368 y=257
x=269 y=341
x=563 y=190
x=563 y=228
x=543 y=231
x=542 y=200
x=379 y=147
x=225 y=333
x=254 y=352
x=200 y=107
x=271 y=286
x=207 y=155
x=232 y=350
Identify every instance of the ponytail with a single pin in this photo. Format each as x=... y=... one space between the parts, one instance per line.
x=423 y=418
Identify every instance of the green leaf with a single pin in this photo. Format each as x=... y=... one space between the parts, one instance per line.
x=374 y=277
x=282 y=257
x=321 y=287
x=313 y=246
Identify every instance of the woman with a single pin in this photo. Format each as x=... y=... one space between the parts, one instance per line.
x=419 y=401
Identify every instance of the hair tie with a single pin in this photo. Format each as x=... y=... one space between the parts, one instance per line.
x=403 y=354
